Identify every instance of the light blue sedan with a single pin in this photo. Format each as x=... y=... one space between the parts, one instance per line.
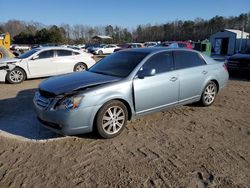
x=126 y=84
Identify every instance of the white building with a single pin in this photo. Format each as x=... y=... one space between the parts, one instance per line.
x=229 y=41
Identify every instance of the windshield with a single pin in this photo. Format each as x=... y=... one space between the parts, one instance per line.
x=119 y=64
x=27 y=54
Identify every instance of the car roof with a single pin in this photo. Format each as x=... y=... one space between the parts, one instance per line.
x=159 y=49
x=54 y=48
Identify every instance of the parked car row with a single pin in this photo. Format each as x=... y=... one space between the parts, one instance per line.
x=127 y=46
x=239 y=62
x=175 y=44
x=100 y=49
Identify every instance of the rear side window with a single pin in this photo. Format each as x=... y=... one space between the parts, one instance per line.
x=185 y=59
x=75 y=53
x=162 y=62
x=46 y=54
x=64 y=53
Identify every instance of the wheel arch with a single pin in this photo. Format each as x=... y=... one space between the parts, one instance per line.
x=126 y=103
x=127 y=106
x=217 y=84
x=26 y=75
x=206 y=81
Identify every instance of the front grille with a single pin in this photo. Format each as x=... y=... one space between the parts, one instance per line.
x=42 y=101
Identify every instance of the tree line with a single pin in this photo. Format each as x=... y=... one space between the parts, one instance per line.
x=198 y=29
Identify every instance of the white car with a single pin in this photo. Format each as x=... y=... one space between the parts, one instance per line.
x=43 y=62
x=104 y=49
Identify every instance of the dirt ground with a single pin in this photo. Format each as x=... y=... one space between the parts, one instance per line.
x=188 y=146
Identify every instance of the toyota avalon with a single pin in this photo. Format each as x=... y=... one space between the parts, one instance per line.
x=127 y=84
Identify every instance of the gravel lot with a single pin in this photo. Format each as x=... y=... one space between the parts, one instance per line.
x=188 y=146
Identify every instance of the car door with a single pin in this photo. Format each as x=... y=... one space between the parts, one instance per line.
x=192 y=74
x=160 y=90
x=111 y=48
x=108 y=49
x=104 y=49
x=65 y=60
x=41 y=64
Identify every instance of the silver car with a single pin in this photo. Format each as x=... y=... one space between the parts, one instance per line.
x=126 y=84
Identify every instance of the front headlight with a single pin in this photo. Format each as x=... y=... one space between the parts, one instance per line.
x=69 y=102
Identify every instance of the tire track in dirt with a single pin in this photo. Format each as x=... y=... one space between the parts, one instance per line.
x=187 y=146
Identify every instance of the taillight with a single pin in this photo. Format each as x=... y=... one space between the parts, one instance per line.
x=225 y=66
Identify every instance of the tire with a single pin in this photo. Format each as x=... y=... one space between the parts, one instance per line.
x=111 y=119
x=209 y=94
x=100 y=52
x=80 y=67
x=16 y=76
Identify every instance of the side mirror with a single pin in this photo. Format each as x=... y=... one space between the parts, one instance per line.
x=146 y=73
x=35 y=57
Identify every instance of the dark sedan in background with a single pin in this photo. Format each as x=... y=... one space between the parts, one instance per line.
x=240 y=62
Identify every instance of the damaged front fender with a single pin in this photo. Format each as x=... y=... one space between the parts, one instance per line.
x=4 y=69
x=3 y=74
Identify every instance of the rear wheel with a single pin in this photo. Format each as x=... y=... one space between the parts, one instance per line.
x=80 y=67
x=209 y=94
x=16 y=76
x=100 y=52
x=111 y=119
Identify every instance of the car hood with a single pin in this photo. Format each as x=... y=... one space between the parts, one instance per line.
x=240 y=56
x=75 y=81
x=9 y=60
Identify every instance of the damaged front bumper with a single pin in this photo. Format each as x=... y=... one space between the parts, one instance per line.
x=4 y=68
x=3 y=74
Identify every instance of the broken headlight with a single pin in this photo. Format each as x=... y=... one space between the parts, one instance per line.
x=69 y=102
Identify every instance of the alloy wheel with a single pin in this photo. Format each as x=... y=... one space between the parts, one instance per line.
x=113 y=120
x=210 y=93
x=16 y=76
x=80 y=67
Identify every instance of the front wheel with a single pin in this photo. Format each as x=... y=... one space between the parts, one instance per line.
x=111 y=119
x=16 y=76
x=209 y=94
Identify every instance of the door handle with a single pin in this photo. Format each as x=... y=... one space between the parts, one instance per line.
x=204 y=72
x=173 y=79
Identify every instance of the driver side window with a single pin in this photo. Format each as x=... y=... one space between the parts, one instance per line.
x=162 y=62
x=46 y=54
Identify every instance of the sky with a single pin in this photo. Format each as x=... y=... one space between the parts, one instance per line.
x=125 y=13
